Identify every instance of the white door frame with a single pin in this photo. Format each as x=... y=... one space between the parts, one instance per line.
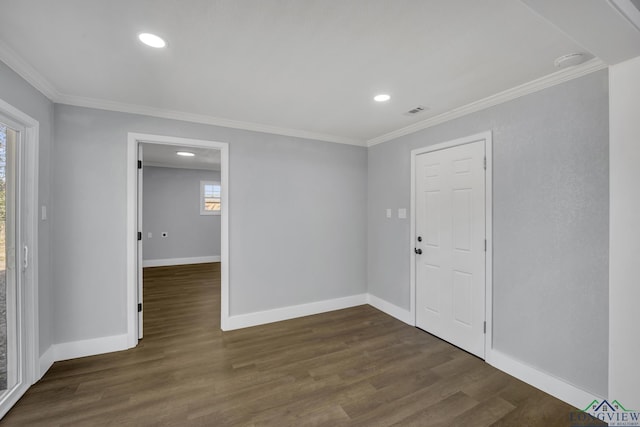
x=132 y=243
x=29 y=360
x=487 y=138
x=139 y=243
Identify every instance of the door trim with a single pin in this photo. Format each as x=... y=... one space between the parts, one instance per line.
x=488 y=148
x=131 y=238
x=28 y=220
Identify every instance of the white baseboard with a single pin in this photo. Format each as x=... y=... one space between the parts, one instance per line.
x=285 y=313
x=546 y=382
x=180 y=261
x=46 y=360
x=91 y=347
x=556 y=387
x=391 y=309
x=541 y=380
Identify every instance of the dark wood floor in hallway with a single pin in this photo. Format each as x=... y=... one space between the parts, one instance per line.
x=355 y=367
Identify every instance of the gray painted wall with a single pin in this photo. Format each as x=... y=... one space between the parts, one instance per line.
x=306 y=241
x=171 y=203
x=550 y=225
x=297 y=218
x=20 y=94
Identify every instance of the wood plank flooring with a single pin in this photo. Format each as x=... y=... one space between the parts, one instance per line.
x=353 y=367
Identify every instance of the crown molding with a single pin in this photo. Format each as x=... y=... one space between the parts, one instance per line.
x=27 y=72
x=553 y=79
x=37 y=80
x=628 y=11
x=201 y=118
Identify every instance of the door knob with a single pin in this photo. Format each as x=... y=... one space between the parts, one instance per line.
x=418 y=251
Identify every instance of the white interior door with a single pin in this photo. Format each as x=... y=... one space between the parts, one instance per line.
x=140 y=258
x=450 y=244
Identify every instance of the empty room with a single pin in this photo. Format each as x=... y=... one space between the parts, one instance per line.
x=311 y=212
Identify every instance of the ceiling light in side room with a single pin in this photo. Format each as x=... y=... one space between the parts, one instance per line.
x=185 y=153
x=152 y=40
x=570 y=60
x=382 y=97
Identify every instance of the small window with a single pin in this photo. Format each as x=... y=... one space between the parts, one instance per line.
x=210 y=198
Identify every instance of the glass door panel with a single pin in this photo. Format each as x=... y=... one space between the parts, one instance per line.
x=9 y=364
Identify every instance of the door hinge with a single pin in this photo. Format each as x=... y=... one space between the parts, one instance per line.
x=485 y=327
x=139 y=235
x=485 y=163
x=485 y=245
x=25 y=260
x=140 y=164
x=140 y=307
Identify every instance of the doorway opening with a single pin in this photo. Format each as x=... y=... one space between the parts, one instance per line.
x=179 y=214
x=151 y=154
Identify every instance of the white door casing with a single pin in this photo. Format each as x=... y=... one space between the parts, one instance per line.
x=450 y=232
x=140 y=244
x=24 y=257
x=133 y=273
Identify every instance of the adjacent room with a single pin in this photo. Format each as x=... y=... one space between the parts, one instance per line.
x=310 y=212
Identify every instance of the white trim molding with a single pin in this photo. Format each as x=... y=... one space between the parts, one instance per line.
x=27 y=72
x=46 y=361
x=392 y=310
x=628 y=10
x=131 y=237
x=488 y=152
x=558 y=77
x=121 y=107
x=90 y=347
x=180 y=261
x=546 y=382
x=28 y=312
x=82 y=348
x=240 y=321
x=541 y=380
x=38 y=81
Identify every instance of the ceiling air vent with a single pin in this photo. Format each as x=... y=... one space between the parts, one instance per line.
x=416 y=110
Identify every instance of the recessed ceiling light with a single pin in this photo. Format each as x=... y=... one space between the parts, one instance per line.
x=570 y=60
x=152 y=40
x=185 y=153
x=382 y=97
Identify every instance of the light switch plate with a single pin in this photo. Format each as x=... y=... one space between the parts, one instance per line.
x=388 y=213
x=402 y=213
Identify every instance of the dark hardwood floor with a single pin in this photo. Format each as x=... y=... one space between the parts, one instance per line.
x=356 y=367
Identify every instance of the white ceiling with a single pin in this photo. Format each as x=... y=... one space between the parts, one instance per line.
x=297 y=67
x=165 y=156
